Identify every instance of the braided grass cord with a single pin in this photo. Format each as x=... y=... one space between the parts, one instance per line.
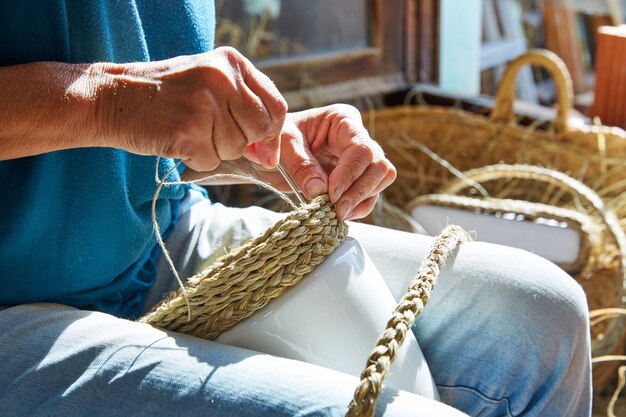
x=407 y=310
x=245 y=280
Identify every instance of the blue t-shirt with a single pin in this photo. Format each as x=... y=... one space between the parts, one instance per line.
x=75 y=225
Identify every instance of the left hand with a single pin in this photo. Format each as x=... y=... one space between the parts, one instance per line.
x=328 y=150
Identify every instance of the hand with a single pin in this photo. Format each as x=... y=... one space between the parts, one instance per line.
x=202 y=109
x=327 y=150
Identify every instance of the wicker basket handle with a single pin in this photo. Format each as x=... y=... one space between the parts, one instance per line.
x=503 y=112
x=582 y=223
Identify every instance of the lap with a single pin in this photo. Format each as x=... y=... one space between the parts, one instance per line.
x=504 y=334
x=498 y=318
x=58 y=361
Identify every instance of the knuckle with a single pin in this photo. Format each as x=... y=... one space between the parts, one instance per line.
x=230 y=53
x=303 y=169
x=260 y=124
x=380 y=168
x=262 y=129
x=234 y=149
x=392 y=173
x=345 y=124
x=225 y=69
x=280 y=108
x=361 y=190
x=346 y=109
x=217 y=78
x=198 y=157
x=364 y=152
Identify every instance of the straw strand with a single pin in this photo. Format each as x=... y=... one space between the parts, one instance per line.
x=407 y=310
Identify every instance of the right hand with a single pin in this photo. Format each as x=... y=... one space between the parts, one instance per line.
x=201 y=108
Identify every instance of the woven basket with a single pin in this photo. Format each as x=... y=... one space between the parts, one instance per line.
x=602 y=270
x=431 y=146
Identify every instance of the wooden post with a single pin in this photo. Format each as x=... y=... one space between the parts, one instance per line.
x=562 y=39
x=610 y=89
x=427 y=43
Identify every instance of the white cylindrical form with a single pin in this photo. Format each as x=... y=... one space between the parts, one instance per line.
x=333 y=318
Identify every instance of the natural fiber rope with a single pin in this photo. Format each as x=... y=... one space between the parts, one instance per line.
x=246 y=279
x=407 y=310
x=161 y=182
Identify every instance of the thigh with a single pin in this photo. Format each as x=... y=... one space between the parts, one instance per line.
x=58 y=361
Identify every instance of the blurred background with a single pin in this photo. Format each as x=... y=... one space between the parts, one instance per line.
x=374 y=51
x=433 y=54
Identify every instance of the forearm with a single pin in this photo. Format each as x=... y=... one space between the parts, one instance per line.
x=48 y=106
x=202 y=108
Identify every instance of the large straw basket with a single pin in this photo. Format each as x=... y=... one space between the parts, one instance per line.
x=431 y=146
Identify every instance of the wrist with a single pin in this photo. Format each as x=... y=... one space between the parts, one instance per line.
x=95 y=93
x=120 y=96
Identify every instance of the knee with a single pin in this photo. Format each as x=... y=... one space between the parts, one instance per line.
x=546 y=294
x=519 y=290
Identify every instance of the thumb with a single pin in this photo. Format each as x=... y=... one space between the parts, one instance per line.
x=267 y=151
x=266 y=155
x=302 y=166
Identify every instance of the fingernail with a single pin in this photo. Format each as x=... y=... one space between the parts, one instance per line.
x=314 y=187
x=344 y=210
x=337 y=193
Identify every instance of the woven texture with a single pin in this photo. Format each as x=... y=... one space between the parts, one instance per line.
x=404 y=315
x=596 y=155
x=613 y=249
x=246 y=279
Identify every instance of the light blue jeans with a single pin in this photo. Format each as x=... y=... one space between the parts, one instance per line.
x=505 y=334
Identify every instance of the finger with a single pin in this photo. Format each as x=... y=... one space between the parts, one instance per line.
x=387 y=181
x=363 y=209
x=199 y=151
x=229 y=141
x=268 y=151
x=268 y=148
x=251 y=83
x=204 y=159
x=251 y=154
x=301 y=165
x=257 y=156
x=363 y=187
x=352 y=163
x=254 y=121
x=267 y=92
